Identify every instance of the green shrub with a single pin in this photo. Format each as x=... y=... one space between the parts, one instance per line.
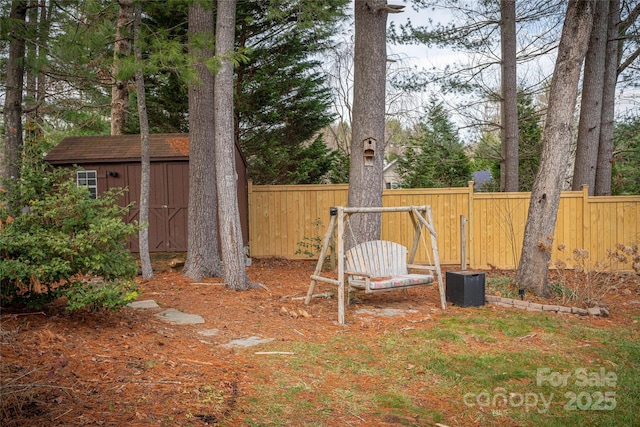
x=311 y=246
x=65 y=243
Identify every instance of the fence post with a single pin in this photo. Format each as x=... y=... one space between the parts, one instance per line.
x=586 y=223
x=472 y=262
x=250 y=215
x=463 y=242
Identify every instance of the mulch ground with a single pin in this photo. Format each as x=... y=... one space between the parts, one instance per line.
x=130 y=368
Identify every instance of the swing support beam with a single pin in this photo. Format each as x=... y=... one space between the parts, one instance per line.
x=420 y=216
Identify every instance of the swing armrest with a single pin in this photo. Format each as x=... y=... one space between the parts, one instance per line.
x=420 y=267
x=367 y=278
x=358 y=273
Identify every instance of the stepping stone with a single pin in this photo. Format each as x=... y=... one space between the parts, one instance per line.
x=209 y=332
x=386 y=312
x=147 y=303
x=179 y=318
x=247 y=342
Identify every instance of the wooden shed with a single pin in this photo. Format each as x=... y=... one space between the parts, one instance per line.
x=114 y=161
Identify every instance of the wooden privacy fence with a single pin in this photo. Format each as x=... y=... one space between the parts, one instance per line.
x=288 y=220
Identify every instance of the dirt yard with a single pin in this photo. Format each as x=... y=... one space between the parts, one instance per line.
x=131 y=368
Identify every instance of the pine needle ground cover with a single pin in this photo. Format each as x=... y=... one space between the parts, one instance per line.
x=479 y=366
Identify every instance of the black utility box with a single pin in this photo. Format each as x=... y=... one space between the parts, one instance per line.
x=465 y=288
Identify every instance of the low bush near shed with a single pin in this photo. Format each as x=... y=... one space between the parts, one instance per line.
x=64 y=243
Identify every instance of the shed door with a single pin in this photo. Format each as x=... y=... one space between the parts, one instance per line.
x=168 y=201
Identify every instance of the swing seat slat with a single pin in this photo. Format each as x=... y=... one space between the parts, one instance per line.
x=381 y=265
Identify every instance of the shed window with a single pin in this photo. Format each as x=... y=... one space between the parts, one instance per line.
x=88 y=179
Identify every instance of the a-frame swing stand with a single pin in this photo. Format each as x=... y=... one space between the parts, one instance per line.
x=386 y=253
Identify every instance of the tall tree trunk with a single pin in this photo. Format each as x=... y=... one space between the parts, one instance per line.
x=11 y=152
x=121 y=49
x=145 y=175
x=234 y=272
x=31 y=52
x=31 y=75
x=509 y=111
x=367 y=142
x=43 y=36
x=584 y=172
x=556 y=146
x=605 y=146
x=203 y=256
x=40 y=23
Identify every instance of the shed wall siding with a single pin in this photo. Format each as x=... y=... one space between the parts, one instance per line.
x=169 y=191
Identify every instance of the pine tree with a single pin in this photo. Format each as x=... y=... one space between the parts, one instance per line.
x=234 y=273
x=281 y=98
x=435 y=157
x=557 y=135
x=626 y=162
x=486 y=154
x=367 y=131
x=11 y=151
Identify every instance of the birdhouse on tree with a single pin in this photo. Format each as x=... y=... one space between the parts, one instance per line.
x=369 y=150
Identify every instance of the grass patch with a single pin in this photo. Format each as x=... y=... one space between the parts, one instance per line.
x=492 y=367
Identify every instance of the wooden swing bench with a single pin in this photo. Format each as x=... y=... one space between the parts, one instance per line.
x=378 y=265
